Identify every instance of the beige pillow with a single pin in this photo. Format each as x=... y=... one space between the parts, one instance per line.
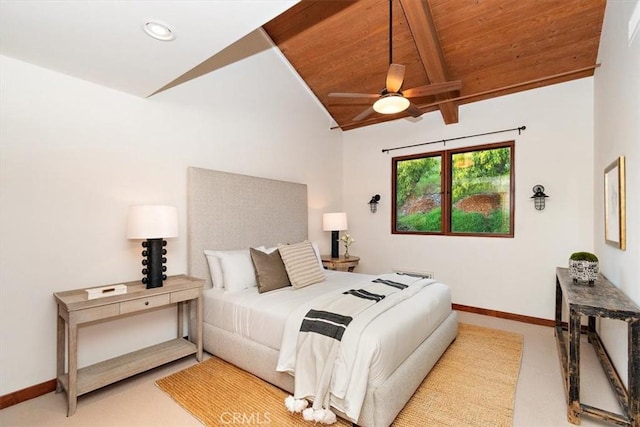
x=301 y=264
x=270 y=271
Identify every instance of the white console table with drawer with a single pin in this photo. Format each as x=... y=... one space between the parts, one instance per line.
x=75 y=310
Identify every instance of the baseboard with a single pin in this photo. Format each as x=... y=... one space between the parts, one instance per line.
x=27 y=393
x=504 y=315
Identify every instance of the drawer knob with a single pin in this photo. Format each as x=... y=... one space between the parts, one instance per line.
x=146 y=303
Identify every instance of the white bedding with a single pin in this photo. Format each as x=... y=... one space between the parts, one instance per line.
x=262 y=317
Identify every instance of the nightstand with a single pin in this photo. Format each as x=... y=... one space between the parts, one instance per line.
x=341 y=263
x=75 y=310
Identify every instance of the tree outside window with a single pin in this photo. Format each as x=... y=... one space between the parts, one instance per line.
x=465 y=191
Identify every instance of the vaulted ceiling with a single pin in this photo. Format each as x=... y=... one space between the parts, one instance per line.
x=487 y=48
x=477 y=49
x=102 y=41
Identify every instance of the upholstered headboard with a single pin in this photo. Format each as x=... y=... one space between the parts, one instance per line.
x=229 y=211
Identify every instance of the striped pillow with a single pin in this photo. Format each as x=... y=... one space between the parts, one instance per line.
x=301 y=264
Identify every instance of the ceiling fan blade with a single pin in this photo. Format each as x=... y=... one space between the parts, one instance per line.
x=432 y=89
x=353 y=95
x=363 y=115
x=414 y=111
x=395 y=76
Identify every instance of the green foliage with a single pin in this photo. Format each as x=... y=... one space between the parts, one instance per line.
x=415 y=175
x=474 y=222
x=473 y=172
x=425 y=222
x=583 y=256
x=499 y=222
x=461 y=222
x=480 y=171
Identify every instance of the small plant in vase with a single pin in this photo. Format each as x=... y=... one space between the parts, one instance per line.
x=583 y=267
x=347 y=240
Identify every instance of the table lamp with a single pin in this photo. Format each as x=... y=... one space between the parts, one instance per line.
x=153 y=223
x=334 y=222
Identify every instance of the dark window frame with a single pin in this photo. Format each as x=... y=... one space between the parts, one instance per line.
x=446 y=184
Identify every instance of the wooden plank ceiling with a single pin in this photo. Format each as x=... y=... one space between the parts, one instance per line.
x=494 y=47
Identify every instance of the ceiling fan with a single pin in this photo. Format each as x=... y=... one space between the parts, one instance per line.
x=391 y=100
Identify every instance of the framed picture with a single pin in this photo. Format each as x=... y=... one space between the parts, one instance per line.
x=615 y=204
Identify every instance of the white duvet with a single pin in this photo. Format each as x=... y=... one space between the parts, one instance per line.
x=261 y=317
x=390 y=338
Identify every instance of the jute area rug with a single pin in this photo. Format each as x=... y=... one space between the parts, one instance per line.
x=473 y=384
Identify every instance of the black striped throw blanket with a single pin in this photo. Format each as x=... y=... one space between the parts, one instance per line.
x=321 y=334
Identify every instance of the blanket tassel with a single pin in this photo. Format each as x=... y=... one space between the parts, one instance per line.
x=295 y=405
x=323 y=416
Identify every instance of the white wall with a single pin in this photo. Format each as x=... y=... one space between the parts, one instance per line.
x=617 y=133
x=512 y=275
x=75 y=155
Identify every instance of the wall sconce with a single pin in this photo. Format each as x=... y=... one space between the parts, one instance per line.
x=538 y=197
x=153 y=223
x=373 y=203
x=334 y=222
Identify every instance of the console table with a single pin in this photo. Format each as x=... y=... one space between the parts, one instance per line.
x=600 y=299
x=75 y=310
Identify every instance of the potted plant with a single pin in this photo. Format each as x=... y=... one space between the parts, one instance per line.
x=583 y=267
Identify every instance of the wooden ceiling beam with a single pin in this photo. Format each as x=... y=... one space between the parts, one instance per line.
x=558 y=77
x=424 y=33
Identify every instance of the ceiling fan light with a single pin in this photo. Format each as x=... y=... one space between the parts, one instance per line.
x=391 y=104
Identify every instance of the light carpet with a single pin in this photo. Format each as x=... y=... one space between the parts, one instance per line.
x=473 y=384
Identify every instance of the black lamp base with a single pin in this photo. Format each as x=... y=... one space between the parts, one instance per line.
x=335 y=251
x=153 y=263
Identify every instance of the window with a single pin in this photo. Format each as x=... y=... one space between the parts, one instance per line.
x=462 y=192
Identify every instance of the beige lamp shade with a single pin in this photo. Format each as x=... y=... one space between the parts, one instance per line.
x=152 y=222
x=335 y=221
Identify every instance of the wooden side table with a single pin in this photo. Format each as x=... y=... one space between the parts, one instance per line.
x=76 y=310
x=602 y=299
x=341 y=263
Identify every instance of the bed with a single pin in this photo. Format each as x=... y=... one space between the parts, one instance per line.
x=229 y=213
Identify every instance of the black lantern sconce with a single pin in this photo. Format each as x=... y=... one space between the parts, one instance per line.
x=538 y=197
x=373 y=203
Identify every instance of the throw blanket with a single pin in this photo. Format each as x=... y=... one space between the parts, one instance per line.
x=320 y=346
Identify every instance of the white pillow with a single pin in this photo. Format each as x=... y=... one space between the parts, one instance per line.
x=316 y=249
x=232 y=270
x=215 y=269
x=237 y=270
x=301 y=263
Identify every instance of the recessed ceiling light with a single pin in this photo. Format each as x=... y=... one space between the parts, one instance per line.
x=158 y=31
